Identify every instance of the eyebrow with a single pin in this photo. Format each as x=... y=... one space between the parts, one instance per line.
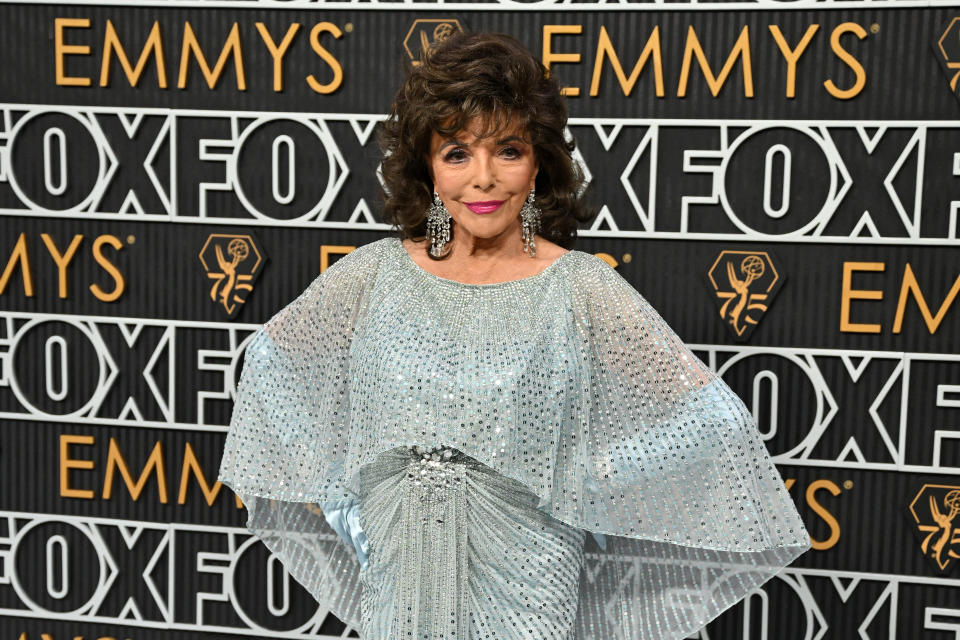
x=460 y=143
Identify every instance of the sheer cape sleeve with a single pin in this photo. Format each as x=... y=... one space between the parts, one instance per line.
x=621 y=430
x=695 y=512
x=289 y=430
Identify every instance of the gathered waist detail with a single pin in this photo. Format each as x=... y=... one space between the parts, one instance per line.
x=436 y=470
x=445 y=533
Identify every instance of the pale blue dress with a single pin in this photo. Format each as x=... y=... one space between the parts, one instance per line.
x=426 y=457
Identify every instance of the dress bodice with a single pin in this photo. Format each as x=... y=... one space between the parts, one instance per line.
x=489 y=369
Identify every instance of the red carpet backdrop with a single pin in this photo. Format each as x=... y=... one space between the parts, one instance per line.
x=781 y=180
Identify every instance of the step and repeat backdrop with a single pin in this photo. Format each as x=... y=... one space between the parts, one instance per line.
x=780 y=179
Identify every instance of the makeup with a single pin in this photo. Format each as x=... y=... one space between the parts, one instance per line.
x=486 y=206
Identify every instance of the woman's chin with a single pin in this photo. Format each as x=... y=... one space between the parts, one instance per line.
x=488 y=225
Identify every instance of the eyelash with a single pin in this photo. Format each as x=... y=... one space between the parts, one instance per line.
x=449 y=157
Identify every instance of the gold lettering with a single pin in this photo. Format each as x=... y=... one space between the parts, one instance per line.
x=153 y=46
x=116 y=462
x=327 y=250
x=844 y=55
x=792 y=55
x=548 y=57
x=19 y=256
x=333 y=85
x=910 y=285
x=740 y=48
x=191 y=466
x=847 y=293
x=821 y=511
x=278 y=52
x=606 y=49
x=230 y=48
x=67 y=463
x=62 y=261
x=61 y=50
x=109 y=267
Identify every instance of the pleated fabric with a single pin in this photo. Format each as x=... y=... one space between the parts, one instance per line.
x=466 y=557
x=567 y=384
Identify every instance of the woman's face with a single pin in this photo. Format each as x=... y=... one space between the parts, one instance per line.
x=483 y=182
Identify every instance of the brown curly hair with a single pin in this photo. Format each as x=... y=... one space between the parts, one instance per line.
x=492 y=77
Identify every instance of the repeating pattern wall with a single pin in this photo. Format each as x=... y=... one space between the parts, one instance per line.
x=780 y=179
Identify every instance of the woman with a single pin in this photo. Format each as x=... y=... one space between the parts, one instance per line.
x=426 y=435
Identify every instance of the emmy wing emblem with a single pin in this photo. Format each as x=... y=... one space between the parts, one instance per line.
x=743 y=284
x=424 y=33
x=946 y=49
x=934 y=513
x=232 y=262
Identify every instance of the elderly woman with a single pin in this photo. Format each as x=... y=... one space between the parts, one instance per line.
x=473 y=431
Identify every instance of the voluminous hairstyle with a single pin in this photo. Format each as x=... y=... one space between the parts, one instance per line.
x=494 y=78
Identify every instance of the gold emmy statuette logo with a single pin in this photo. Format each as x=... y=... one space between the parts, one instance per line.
x=947 y=51
x=233 y=262
x=935 y=513
x=743 y=284
x=425 y=33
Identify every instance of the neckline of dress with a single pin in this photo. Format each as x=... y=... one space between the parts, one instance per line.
x=416 y=267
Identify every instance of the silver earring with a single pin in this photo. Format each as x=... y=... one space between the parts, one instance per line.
x=530 y=214
x=438 y=226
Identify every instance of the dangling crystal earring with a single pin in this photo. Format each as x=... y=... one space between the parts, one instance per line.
x=530 y=214
x=438 y=226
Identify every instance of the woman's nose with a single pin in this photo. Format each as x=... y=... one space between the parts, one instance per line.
x=485 y=175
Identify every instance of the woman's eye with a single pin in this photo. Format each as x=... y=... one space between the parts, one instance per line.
x=459 y=155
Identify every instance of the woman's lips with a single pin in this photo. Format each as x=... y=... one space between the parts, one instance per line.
x=487 y=206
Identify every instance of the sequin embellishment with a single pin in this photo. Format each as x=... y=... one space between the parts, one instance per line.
x=447 y=552
x=433 y=470
x=567 y=384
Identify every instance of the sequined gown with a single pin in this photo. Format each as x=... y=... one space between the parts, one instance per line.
x=562 y=405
